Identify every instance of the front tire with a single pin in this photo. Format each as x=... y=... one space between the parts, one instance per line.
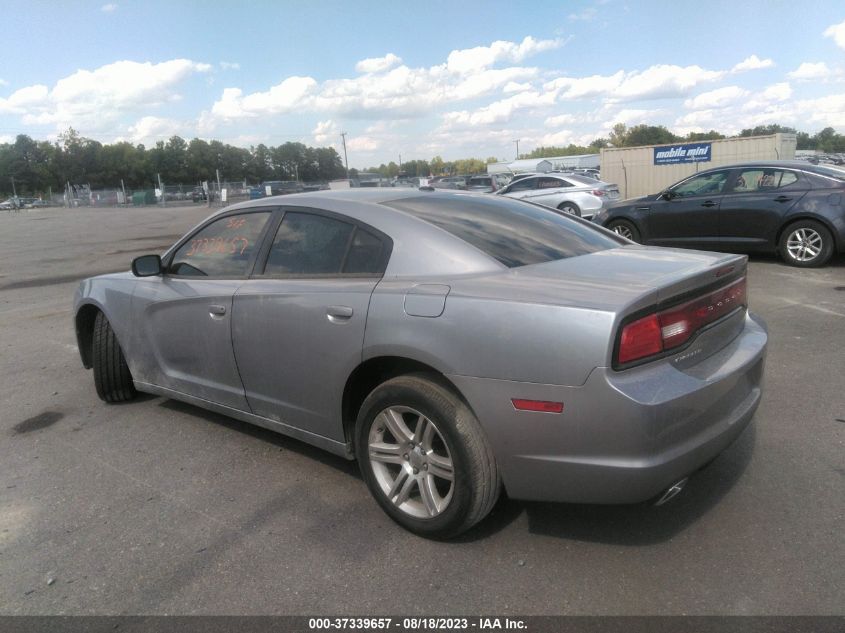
x=807 y=244
x=624 y=228
x=425 y=458
x=111 y=373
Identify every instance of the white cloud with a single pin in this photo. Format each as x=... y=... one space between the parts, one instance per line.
x=362 y=144
x=230 y=66
x=390 y=91
x=718 y=98
x=293 y=92
x=96 y=99
x=752 y=63
x=326 y=131
x=3 y=82
x=656 y=82
x=560 y=120
x=515 y=86
x=471 y=60
x=664 y=80
x=500 y=111
x=378 y=64
x=585 y=87
x=108 y=8
x=20 y=100
x=823 y=112
x=811 y=71
x=837 y=32
x=149 y=129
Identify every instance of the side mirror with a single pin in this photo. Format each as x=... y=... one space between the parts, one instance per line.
x=146 y=266
x=667 y=195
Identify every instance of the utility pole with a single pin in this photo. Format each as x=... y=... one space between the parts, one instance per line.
x=517 y=148
x=219 y=191
x=14 y=192
x=400 y=163
x=345 y=161
x=161 y=188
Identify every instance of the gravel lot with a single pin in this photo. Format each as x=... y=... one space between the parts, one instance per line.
x=158 y=507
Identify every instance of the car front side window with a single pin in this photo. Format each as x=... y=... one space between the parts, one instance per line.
x=523 y=185
x=703 y=185
x=223 y=248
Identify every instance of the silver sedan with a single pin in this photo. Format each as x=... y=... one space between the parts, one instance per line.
x=454 y=344
x=570 y=193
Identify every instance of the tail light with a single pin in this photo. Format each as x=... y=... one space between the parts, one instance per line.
x=668 y=329
x=599 y=192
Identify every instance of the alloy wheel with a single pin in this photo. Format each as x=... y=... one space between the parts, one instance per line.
x=804 y=244
x=411 y=462
x=624 y=231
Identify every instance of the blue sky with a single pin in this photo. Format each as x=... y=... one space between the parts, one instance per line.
x=454 y=79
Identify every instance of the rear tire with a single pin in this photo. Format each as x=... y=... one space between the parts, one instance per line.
x=111 y=373
x=436 y=480
x=625 y=229
x=806 y=243
x=570 y=208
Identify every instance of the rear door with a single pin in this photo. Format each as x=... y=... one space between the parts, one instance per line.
x=690 y=218
x=298 y=324
x=754 y=206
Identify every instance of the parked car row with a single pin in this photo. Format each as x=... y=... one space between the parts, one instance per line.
x=791 y=207
x=23 y=203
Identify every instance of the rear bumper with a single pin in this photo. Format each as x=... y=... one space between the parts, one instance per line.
x=623 y=437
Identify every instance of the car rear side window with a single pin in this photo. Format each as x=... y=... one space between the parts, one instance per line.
x=313 y=244
x=513 y=233
x=763 y=179
x=224 y=248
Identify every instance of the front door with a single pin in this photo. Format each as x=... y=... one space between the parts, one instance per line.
x=689 y=216
x=184 y=317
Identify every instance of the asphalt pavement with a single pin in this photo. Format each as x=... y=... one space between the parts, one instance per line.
x=157 y=507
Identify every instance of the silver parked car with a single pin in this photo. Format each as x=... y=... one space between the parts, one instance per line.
x=570 y=193
x=454 y=344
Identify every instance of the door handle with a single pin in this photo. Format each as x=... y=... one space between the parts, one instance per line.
x=216 y=310
x=339 y=314
x=783 y=199
x=709 y=203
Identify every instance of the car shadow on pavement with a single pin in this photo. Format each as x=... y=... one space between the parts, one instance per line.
x=633 y=525
x=644 y=523
x=282 y=441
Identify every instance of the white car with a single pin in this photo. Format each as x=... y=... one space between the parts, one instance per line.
x=578 y=195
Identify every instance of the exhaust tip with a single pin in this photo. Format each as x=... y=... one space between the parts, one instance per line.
x=671 y=492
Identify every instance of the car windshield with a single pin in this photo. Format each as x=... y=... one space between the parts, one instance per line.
x=513 y=233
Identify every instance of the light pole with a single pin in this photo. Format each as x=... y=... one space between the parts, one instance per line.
x=517 y=148
x=345 y=161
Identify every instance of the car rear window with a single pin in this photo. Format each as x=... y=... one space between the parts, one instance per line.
x=832 y=172
x=513 y=233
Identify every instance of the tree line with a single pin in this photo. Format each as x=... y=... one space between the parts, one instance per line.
x=39 y=166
